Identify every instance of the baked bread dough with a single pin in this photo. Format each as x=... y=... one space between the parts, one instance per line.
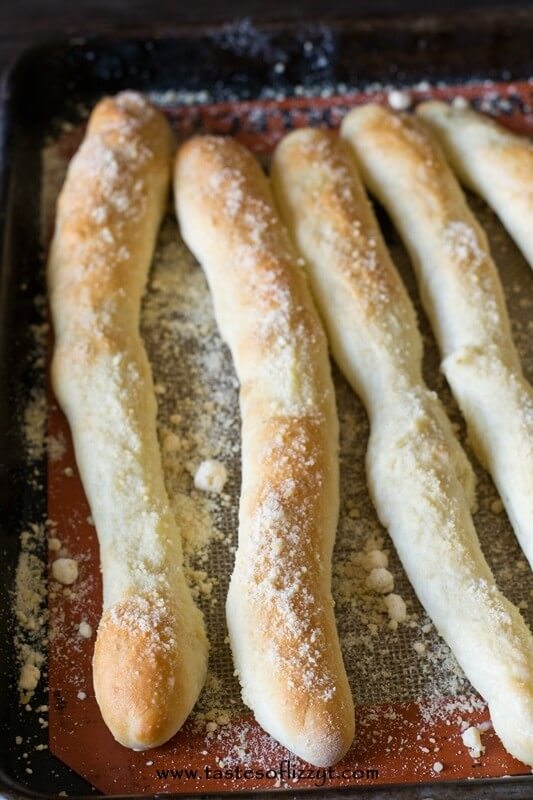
x=279 y=607
x=405 y=169
x=419 y=478
x=150 y=655
x=492 y=161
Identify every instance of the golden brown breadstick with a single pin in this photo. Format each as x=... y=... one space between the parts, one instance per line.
x=491 y=160
x=418 y=475
x=151 y=650
x=279 y=609
x=462 y=294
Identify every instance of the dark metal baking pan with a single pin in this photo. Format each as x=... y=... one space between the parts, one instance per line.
x=58 y=82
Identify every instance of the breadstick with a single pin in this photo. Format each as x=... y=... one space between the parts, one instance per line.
x=490 y=160
x=150 y=655
x=279 y=608
x=461 y=293
x=419 y=478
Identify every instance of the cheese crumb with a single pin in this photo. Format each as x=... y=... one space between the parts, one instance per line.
x=374 y=543
x=396 y=607
x=437 y=767
x=419 y=647
x=171 y=443
x=399 y=100
x=82 y=695
x=54 y=544
x=211 y=476
x=472 y=739
x=460 y=102
x=380 y=580
x=85 y=630
x=374 y=559
x=65 y=570
x=29 y=677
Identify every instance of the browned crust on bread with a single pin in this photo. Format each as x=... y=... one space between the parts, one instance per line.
x=140 y=677
x=363 y=272
x=280 y=609
x=435 y=202
x=151 y=650
x=115 y=187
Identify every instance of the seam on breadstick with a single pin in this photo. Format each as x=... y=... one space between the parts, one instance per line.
x=279 y=608
x=492 y=161
x=412 y=458
x=151 y=649
x=462 y=294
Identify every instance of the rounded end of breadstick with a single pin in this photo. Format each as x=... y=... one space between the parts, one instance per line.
x=429 y=107
x=128 y=115
x=316 y=726
x=296 y=686
x=512 y=718
x=150 y=662
x=326 y=734
x=364 y=115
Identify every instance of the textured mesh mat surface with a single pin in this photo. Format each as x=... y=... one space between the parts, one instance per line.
x=404 y=669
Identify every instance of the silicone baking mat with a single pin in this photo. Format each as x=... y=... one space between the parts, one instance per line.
x=412 y=701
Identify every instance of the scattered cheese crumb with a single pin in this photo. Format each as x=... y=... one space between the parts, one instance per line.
x=65 y=570
x=380 y=580
x=399 y=100
x=373 y=543
x=437 y=767
x=419 y=647
x=18 y=739
x=472 y=739
x=210 y=476
x=29 y=677
x=82 y=695
x=496 y=506
x=85 y=630
x=54 y=544
x=171 y=443
x=69 y=472
x=396 y=607
x=374 y=559
x=460 y=102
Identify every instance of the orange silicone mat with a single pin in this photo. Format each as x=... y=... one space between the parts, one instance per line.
x=402 y=735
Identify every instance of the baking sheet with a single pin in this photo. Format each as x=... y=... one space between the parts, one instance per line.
x=412 y=699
